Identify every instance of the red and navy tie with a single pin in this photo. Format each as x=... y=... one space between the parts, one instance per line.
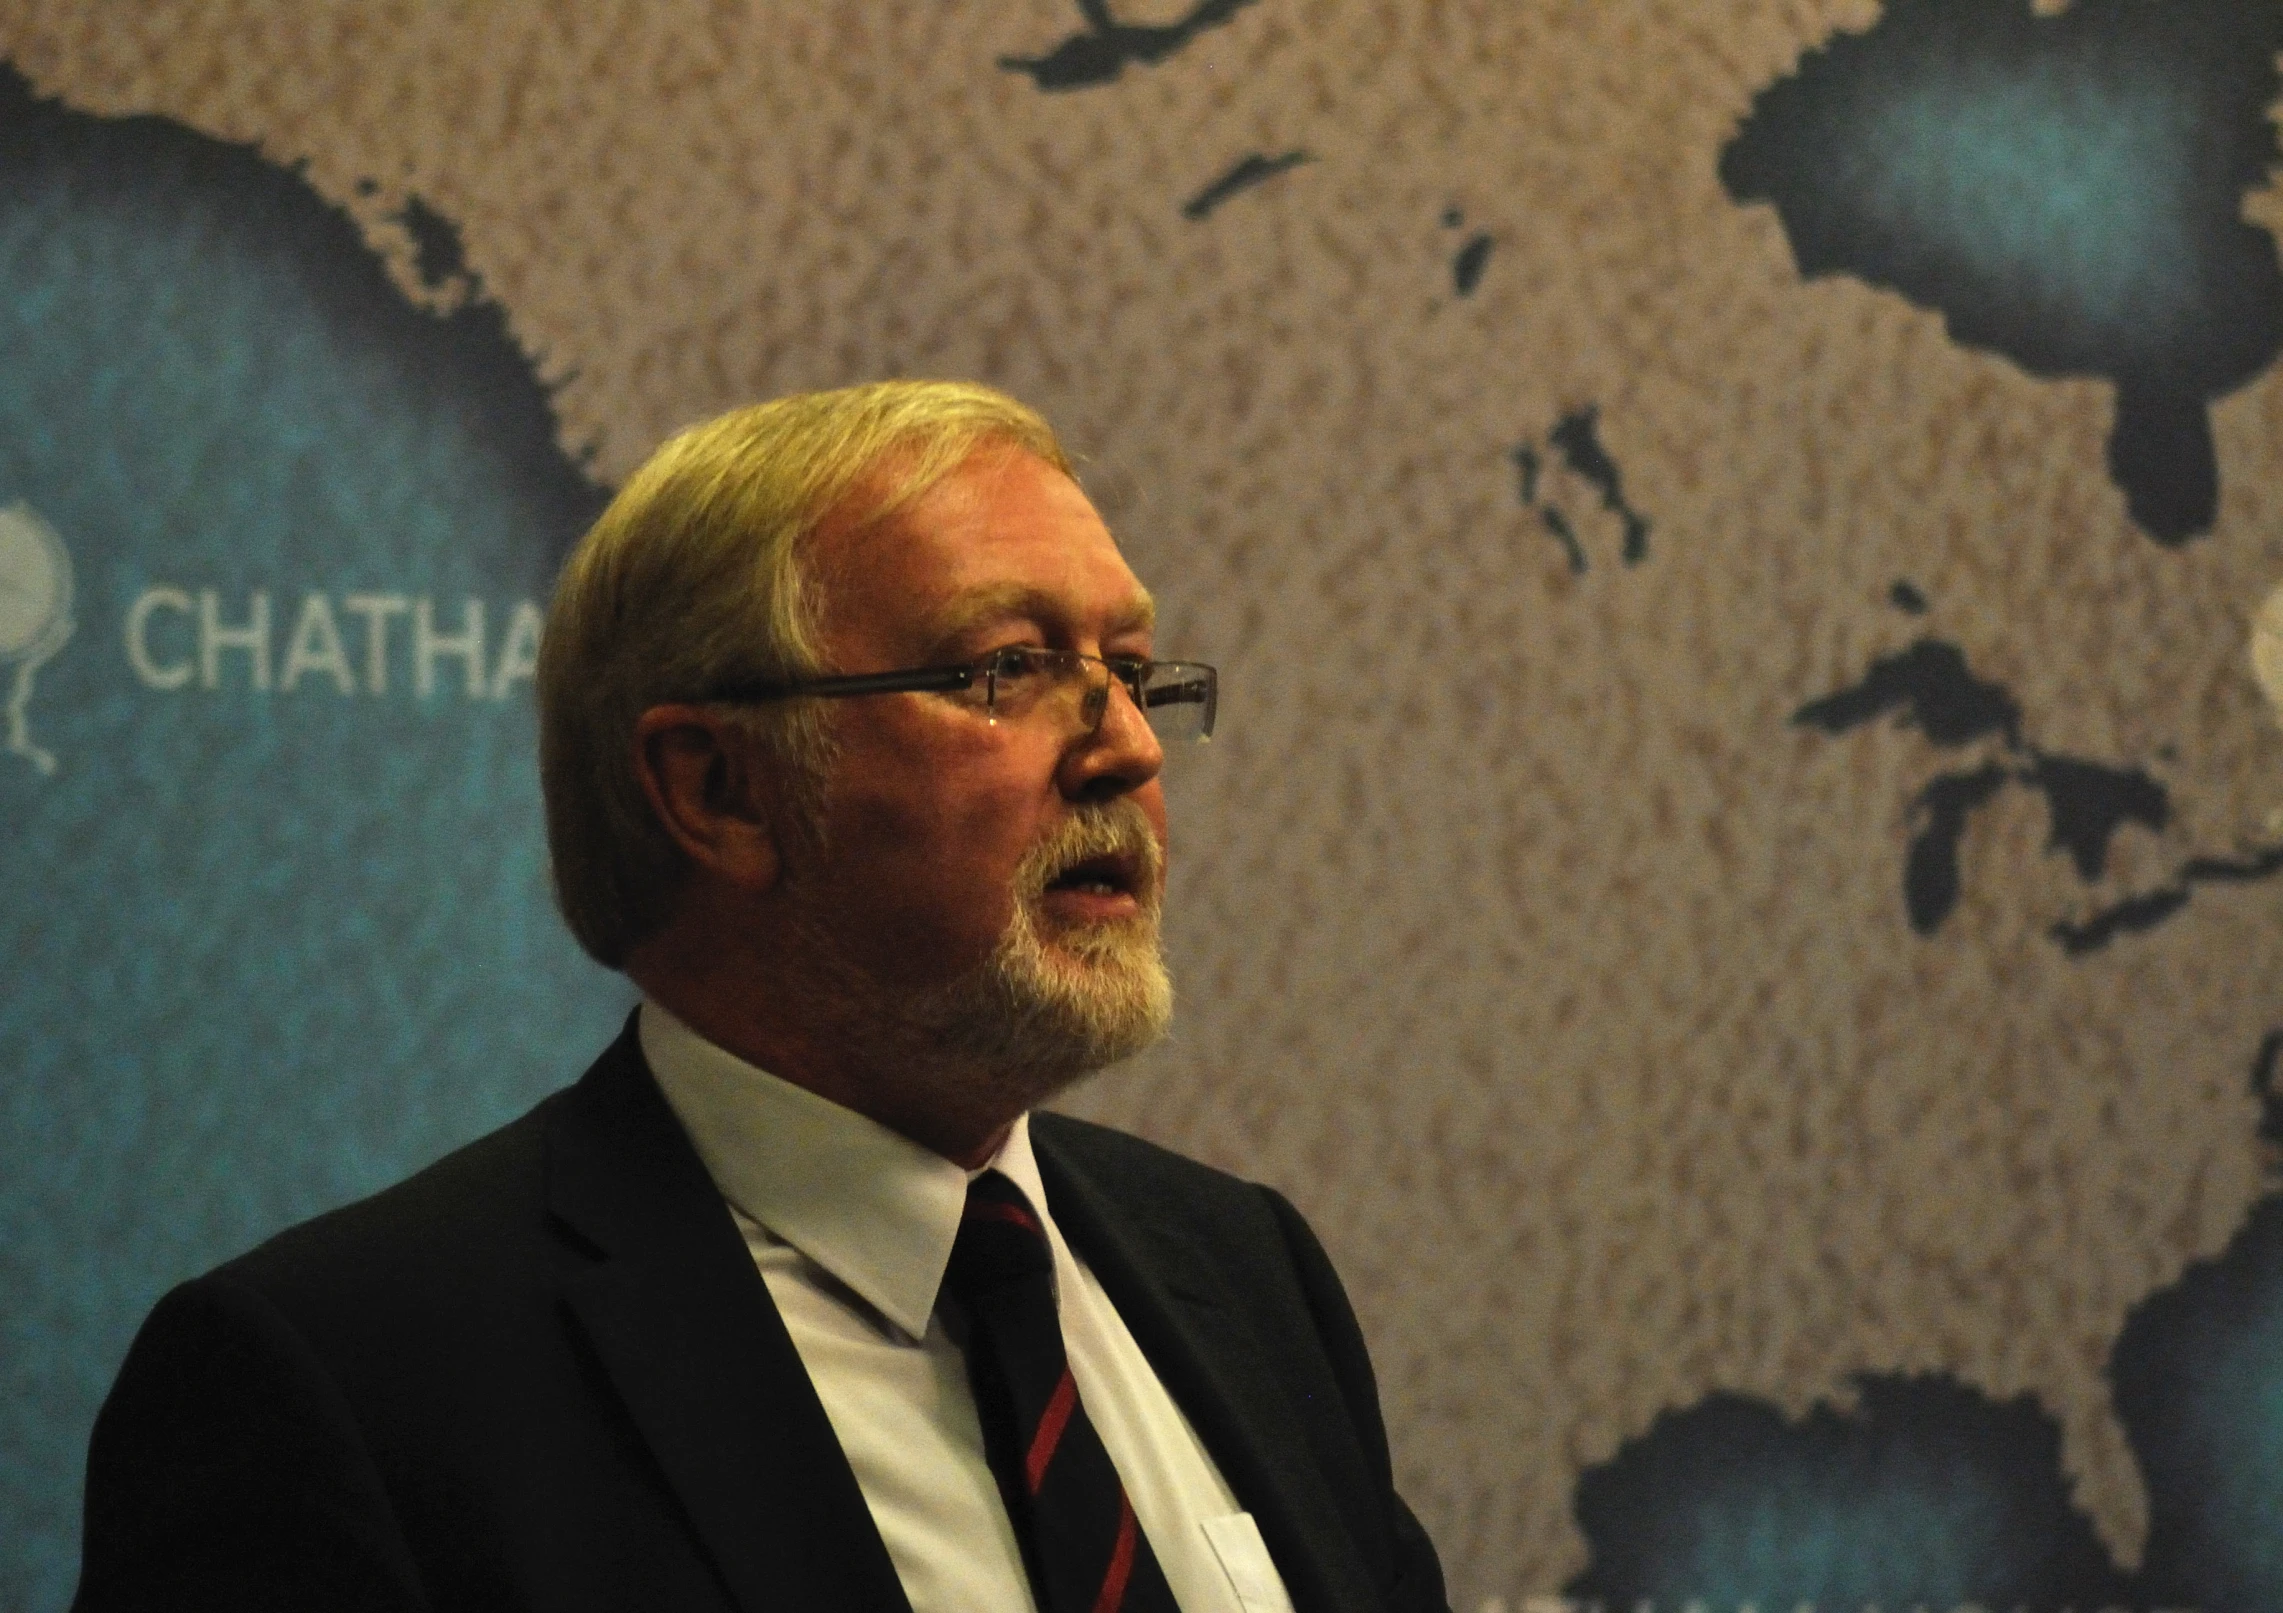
x=1081 y=1543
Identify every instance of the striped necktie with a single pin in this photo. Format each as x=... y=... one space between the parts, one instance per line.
x=1082 y=1545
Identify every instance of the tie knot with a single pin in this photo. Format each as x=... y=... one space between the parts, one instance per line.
x=1001 y=1239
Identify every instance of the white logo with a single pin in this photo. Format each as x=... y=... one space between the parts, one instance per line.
x=35 y=615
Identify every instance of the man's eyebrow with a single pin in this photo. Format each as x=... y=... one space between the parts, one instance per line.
x=1018 y=601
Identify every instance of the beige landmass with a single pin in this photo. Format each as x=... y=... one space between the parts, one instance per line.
x=1561 y=980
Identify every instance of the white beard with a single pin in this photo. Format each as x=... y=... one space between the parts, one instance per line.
x=1038 y=1012
x=1056 y=1010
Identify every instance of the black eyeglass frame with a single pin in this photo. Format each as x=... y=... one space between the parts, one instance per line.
x=1131 y=670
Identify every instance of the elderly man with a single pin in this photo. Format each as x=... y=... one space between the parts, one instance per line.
x=850 y=737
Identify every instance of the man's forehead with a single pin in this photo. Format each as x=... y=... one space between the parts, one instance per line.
x=987 y=604
x=1006 y=539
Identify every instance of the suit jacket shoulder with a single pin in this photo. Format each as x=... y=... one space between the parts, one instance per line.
x=461 y=1238
x=541 y=1373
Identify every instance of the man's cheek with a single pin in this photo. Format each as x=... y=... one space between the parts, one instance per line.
x=928 y=923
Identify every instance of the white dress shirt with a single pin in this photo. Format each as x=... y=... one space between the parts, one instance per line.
x=851 y=1226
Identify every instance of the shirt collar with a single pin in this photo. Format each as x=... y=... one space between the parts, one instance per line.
x=870 y=1206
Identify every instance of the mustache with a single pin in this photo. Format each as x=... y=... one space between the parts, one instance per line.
x=1116 y=828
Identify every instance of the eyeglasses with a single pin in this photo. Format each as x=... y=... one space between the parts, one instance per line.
x=1024 y=683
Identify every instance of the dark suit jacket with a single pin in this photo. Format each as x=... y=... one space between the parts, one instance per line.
x=544 y=1374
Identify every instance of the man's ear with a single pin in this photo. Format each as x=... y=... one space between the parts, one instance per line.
x=698 y=771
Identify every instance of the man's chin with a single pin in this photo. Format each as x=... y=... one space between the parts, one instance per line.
x=1052 y=1002
x=1107 y=996
x=1127 y=940
x=1073 y=999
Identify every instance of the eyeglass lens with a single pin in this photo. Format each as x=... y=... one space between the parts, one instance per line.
x=1177 y=697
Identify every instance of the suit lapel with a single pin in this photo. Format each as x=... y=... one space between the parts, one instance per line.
x=1224 y=1380
x=695 y=1349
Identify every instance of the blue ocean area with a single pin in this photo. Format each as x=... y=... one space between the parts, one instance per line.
x=278 y=929
x=1925 y=1493
x=2066 y=190
x=1928 y=1493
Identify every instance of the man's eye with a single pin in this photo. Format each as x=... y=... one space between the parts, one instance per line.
x=1012 y=663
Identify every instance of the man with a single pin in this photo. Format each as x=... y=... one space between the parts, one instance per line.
x=850 y=739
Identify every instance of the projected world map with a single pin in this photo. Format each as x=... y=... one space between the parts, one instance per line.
x=274 y=535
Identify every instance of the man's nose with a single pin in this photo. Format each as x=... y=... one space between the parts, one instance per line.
x=1119 y=752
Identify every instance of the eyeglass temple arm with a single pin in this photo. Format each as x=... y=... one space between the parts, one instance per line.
x=921 y=681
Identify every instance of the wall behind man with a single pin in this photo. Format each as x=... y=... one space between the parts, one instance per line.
x=1734 y=886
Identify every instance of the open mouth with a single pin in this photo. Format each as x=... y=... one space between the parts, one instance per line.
x=1111 y=874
